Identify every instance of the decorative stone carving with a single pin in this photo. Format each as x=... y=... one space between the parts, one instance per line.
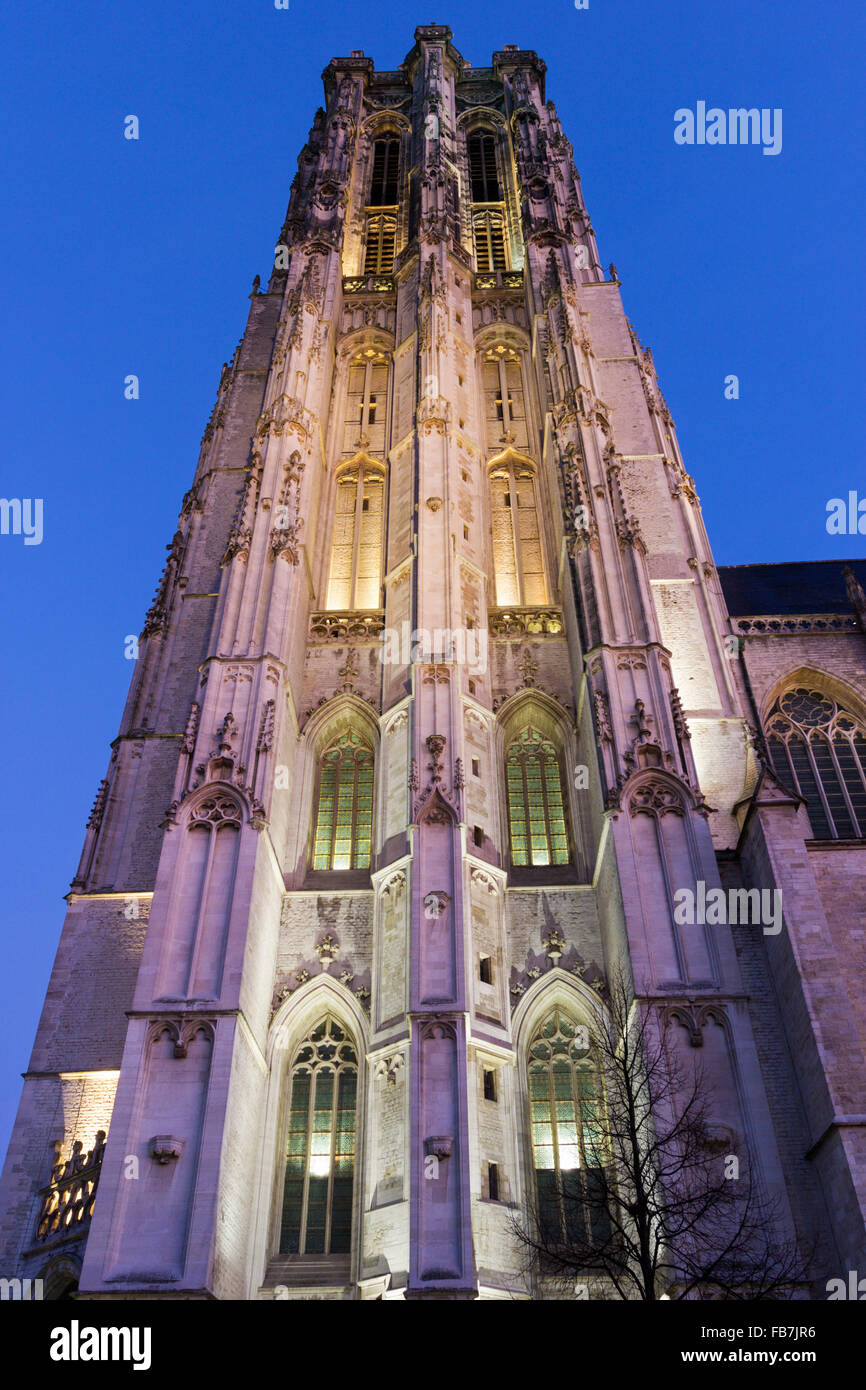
x=97 y=811
x=327 y=951
x=216 y=810
x=165 y=1148
x=554 y=945
x=439 y=1145
x=656 y=798
x=435 y=904
x=388 y=1069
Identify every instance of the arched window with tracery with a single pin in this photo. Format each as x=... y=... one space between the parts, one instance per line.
x=320 y=1144
x=536 y=810
x=567 y=1132
x=819 y=748
x=344 y=810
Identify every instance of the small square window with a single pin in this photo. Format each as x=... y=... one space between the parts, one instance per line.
x=490 y=1084
x=485 y=970
x=476 y=767
x=478 y=835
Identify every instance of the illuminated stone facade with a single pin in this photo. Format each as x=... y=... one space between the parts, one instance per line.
x=439 y=705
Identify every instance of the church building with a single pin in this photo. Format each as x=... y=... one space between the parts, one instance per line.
x=443 y=718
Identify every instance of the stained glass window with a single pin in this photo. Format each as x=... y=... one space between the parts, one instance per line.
x=344 y=819
x=536 y=812
x=820 y=749
x=320 y=1145
x=565 y=1099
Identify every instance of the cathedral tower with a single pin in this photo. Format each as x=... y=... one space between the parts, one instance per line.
x=437 y=708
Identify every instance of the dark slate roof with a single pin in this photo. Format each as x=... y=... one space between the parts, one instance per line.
x=807 y=586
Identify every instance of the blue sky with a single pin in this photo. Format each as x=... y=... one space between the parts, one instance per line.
x=122 y=257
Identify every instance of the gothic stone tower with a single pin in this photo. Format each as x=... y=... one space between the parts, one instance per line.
x=404 y=773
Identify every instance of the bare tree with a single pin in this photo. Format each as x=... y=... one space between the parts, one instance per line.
x=660 y=1208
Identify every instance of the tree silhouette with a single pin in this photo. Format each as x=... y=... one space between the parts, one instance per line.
x=660 y=1207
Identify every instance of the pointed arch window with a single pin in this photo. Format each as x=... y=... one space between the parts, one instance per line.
x=487 y=212
x=536 y=812
x=819 y=748
x=344 y=811
x=384 y=179
x=320 y=1145
x=483 y=173
x=567 y=1132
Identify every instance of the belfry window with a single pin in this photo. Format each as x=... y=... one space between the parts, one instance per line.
x=820 y=749
x=380 y=216
x=488 y=239
x=320 y=1145
x=566 y=1123
x=536 y=813
x=379 y=244
x=344 y=813
x=489 y=226
x=386 y=164
x=483 y=174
